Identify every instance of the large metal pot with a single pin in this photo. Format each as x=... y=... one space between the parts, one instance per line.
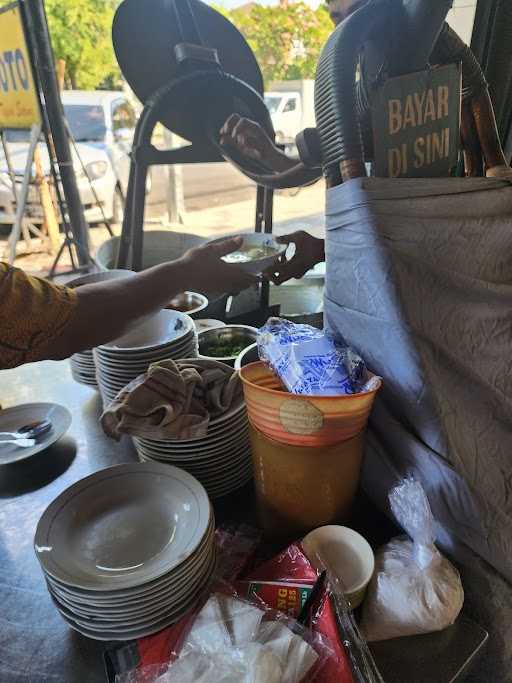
x=160 y=246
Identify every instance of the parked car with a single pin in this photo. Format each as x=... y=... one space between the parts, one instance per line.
x=102 y=125
x=291 y=107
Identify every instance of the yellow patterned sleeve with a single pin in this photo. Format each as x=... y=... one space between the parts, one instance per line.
x=33 y=311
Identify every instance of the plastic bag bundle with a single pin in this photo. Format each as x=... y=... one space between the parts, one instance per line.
x=233 y=641
x=414 y=589
x=309 y=361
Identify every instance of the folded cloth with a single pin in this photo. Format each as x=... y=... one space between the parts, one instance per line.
x=173 y=400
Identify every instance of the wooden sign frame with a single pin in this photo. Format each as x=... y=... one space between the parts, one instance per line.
x=416 y=124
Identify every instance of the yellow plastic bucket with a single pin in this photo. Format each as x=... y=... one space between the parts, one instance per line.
x=299 y=488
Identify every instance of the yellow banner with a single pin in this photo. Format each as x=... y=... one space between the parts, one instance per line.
x=19 y=106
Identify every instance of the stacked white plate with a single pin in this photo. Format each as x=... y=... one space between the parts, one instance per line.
x=221 y=461
x=83 y=368
x=167 y=335
x=128 y=550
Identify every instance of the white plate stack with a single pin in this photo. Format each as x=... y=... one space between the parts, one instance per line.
x=221 y=461
x=167 y=335
x=128 y=550
x=83 y=368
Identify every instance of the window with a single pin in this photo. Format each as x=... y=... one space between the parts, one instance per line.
x=86 y=122
x=123 y=116
x=291 y=105
x=272 y=102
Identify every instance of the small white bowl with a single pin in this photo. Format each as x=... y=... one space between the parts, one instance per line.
x=256 y=266
x=346 y=554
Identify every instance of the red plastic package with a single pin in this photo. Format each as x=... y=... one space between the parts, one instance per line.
x=287 y=572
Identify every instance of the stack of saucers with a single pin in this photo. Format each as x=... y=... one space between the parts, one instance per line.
x=83 y=368
x=221 y=461
x=167 y=335
x=128 y=550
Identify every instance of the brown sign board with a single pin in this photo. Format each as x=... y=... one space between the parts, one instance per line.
x=416 y=124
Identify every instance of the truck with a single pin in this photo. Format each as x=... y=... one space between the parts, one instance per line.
x=292 y=108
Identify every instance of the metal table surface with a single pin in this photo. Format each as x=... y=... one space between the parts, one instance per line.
x=36 y=645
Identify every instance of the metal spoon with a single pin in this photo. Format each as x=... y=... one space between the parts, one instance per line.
x=20 y=443
x=33 y=430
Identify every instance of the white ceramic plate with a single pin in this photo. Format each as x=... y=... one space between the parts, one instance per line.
x=127 y=610
x=188 y=350
x=112 y=356
x=123 y=526
x=216 y=492
x=139 y=594
x=159 y=330
x=187 y=447
x=13 y=419
x=219 y=456
x=224 y=463
x=172 y=596
x=228 y=480
x=141 y=632
x=87 y=364
x=219 y=445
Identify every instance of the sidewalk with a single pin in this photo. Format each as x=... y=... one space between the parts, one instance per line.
x=302 y=212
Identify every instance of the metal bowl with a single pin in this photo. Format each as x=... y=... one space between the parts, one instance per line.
x=248 y=355
x=203 y=324
x=231 y=334
x=190 y=303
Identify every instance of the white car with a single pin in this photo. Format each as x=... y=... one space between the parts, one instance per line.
x=102 y=125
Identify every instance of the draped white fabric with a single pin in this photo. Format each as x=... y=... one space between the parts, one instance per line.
x=419 y=281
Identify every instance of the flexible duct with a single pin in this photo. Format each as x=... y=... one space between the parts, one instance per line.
x=335 y=89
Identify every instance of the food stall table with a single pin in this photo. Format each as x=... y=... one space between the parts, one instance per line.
x=35 y=643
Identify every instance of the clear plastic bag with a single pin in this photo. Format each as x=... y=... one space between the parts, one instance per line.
x=230 y=640
x=309 y=361
x=414 y=588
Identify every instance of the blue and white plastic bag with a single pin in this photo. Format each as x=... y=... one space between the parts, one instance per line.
x=309 y=361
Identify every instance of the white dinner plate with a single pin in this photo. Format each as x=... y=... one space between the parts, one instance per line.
x=123 y=526
x=13 y=419
x=140 y=632
x=159 y=330
x=173 y=598
x=134 y=358
x=140 y=594
x=224 y=454
x=193 y=449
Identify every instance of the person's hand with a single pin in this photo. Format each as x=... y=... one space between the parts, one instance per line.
x=308 y=252
x=204 y=270
x=249 y=139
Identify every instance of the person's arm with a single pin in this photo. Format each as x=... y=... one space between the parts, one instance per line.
x=249 y=139
x=107 y=310
x=308 y=252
